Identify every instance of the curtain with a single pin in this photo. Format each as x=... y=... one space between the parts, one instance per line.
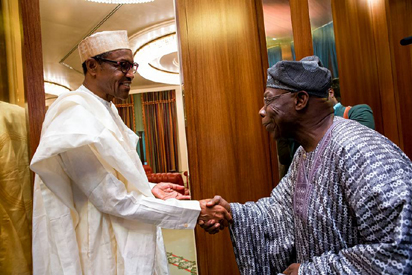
x=324 y=47
x=274 y=55
x=159 y=117
x=126 y=111
x=284 y=51
x=141 y=148
x=138 y=110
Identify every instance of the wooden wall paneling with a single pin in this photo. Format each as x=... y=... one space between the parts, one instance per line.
x=302 y=34
x=4 y=86
x=356 y=54
x=400 y=26
x=384 y=70
x=33 y=70
x=265 y=65
x=224 y=80
x=13 y=49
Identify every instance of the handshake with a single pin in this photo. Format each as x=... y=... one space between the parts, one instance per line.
x=215 y=215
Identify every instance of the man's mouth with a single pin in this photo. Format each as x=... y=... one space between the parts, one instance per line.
x=127 y=84
x=269 y=126
x=266 y=125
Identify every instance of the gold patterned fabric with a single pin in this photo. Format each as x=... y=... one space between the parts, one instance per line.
x=15 y=192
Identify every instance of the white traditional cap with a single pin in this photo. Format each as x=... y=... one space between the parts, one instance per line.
x=102 y=42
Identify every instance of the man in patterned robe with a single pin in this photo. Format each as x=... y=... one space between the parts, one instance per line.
x=344 y=207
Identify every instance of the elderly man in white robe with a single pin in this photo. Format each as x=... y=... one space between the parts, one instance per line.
x=94 y=210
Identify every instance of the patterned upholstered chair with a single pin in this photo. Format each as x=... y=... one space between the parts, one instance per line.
x=163 y=177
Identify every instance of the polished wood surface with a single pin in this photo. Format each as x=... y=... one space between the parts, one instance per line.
x=224 y=80
x=356 y=53
x=33 y=70
x=400 y=26
x=219 y=45
x=390 y=123
x=4 y=86
x=302 y=35
x=13 y=72
x=265 y=64
x=373 y=67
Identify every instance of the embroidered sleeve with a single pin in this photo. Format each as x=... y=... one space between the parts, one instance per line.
x=262 y=233
x=109 y=195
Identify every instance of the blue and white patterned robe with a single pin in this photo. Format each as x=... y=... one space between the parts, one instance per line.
x=352 y=216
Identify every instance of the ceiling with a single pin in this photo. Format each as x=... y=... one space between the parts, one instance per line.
x=66 y=22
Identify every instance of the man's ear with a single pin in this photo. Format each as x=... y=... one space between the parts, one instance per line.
x=331 y=93
x=301 y=100
x=92 y=66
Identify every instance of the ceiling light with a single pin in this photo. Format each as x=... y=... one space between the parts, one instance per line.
x=53 y=88
x=148 y=55
x=121 y=1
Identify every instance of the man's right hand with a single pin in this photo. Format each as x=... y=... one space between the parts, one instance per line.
x=215 y=214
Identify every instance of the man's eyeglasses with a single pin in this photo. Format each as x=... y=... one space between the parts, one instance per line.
x=124 y=66
x=270 y=99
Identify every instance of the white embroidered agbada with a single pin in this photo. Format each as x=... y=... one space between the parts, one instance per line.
x=94 y=212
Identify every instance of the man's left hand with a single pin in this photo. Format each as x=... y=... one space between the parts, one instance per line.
x=293 y=269
x=167 y=190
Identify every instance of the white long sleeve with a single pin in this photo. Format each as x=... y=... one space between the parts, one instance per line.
x=109 y=195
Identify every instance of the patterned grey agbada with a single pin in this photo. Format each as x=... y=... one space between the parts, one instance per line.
x=345 y=208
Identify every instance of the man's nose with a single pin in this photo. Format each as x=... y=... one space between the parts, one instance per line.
x=130 y=74
x=262 y=112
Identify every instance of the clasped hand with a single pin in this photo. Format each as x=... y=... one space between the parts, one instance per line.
x=167 y=190
x=215 y=215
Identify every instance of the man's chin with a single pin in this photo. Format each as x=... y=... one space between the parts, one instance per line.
x=276 y=134
x=273 y=132
x=123 y=95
